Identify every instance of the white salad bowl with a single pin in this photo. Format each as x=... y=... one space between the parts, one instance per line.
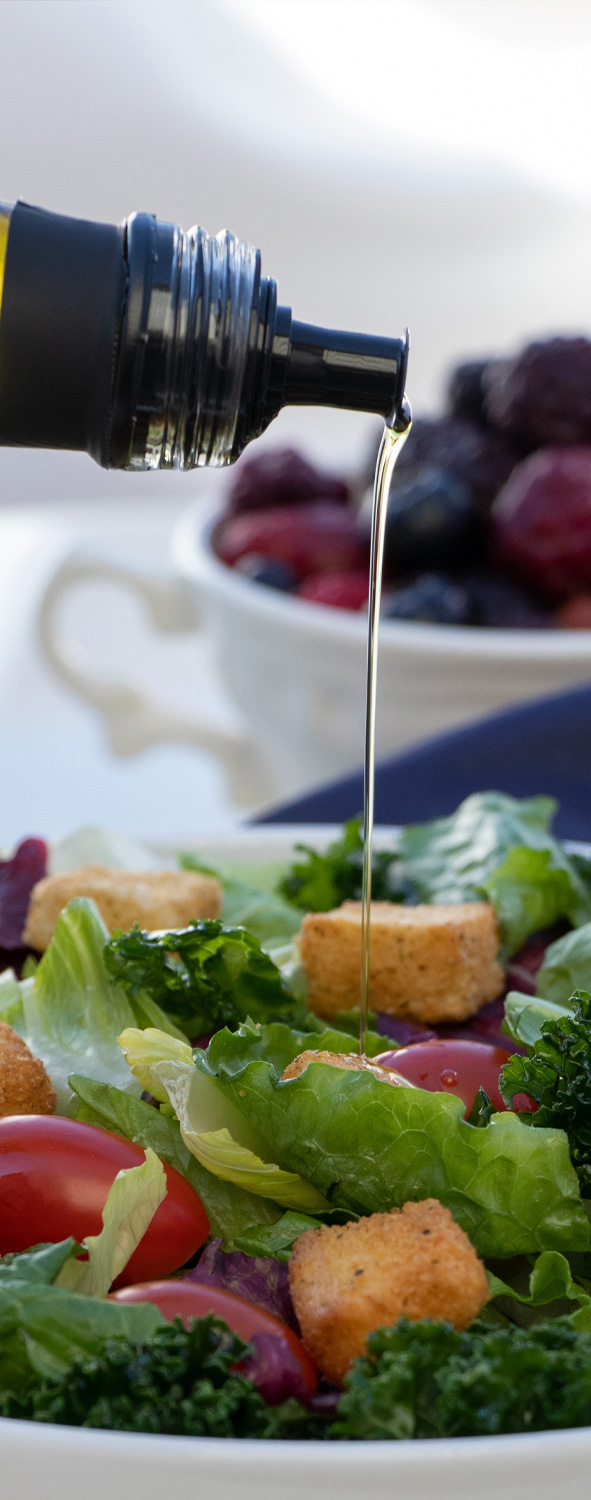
x=40 y=1462
x=294 y=672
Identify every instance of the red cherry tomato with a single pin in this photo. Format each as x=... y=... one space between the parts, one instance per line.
x=55 y=1175
x=451 y=1066
x=192 y=1299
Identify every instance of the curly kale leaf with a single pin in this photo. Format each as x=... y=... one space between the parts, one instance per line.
x=179 y=1381
x=425 y=1380
x=319 y=882
x=557 y=1076
x=203 y=976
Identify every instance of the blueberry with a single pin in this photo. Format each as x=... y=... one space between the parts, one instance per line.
x=266 y=570
x=431 y=523
x=431 y=598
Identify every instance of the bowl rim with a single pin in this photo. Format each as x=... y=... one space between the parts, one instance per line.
x=193 y=554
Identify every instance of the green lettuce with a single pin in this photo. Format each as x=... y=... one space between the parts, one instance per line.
x=249 y=899
x=45 y=1326
x=525 y=1015
x=501 y=848
x=368 y=1147
x=132 y=1201
x=566 y=967
x=557 y=1075
x=550 y=1280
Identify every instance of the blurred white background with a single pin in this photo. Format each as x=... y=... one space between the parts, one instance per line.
x=397 y=161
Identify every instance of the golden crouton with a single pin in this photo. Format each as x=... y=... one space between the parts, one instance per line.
x=157 y=899
x=350 y=1060
x=427 y=963
x=25 y=1088
x=347 y=1281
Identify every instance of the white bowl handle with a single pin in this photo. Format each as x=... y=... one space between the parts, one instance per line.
x=132 y=721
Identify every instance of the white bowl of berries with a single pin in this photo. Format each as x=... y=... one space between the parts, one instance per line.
x=487 y=585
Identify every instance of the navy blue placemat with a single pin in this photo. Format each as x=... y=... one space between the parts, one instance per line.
x=541 y=747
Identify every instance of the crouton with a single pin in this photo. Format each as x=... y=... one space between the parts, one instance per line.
x=25 y=1088
x=346 y=1281
x=170 y=898
x=350 y=1060
x=427 y=963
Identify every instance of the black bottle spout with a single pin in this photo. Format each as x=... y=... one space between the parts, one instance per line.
x=327 y=367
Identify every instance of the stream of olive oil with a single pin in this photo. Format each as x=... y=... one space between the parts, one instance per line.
x=390 y=447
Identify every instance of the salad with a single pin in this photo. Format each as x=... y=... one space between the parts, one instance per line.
x=217 y=1219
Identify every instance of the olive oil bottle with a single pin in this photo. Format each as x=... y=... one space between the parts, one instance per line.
x=148 y=347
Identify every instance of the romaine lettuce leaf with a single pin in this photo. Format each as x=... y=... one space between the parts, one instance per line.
x=131 y=1203
x=221 y=1138
x=500 y=847
x=550 y=1280
x=367 y=1147
x=529 y=891
x=249 y=899
x=230 y=1209
x=566 y=967
x=44 y=1327
x=72 y=1012
x=525 y=1016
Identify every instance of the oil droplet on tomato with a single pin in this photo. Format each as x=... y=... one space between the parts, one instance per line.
x=449 y=1078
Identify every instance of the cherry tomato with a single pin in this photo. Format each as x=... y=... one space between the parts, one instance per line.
x=451 y=1066
x=192 y=1299
x=55 y=1175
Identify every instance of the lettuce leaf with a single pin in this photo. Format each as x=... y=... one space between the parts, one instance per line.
x=500 y=847
x=550 y=1280
x=525 y=1015
x=249 y=899
x=369 y=1147
x=230 y=1209
x=566 y=967
x=557 y=1075
x=531 y=890
x=131 y=1203
x=217 y=1133
x=44 y=1327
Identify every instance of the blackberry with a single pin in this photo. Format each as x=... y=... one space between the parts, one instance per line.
x=542 y=398
x=280 y=476
x=482 y=458
x=500 y=603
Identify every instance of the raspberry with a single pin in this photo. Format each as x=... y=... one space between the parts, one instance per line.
x=280 y=476
x=341 y=590
x=543 y=396
x=483 y=459
x=541 y=521
x=317 y=538
x=575 y=614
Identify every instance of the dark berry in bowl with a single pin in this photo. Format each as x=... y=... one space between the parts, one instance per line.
x=341 y=590
x=482 y=458
x=501 y=603
x=281 y=476
x=431 y=599
x=466 y=393
x=319 y=538
x=431 y=523
x=543 y=397
x=266 y=570
x=541 y=522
